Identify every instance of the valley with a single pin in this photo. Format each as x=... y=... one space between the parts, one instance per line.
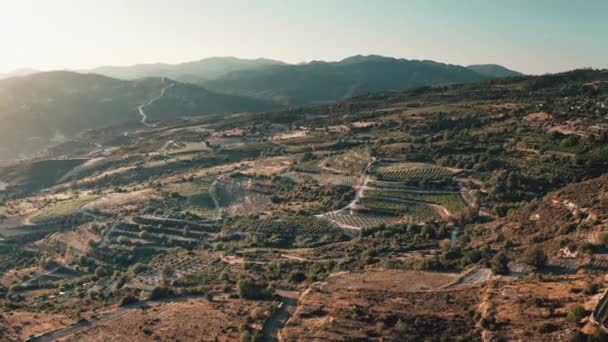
x=392 y=215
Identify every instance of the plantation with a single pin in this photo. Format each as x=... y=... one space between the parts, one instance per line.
x=422 y=173
x=451 y=201
x=361 y=220
x=213 y=273
x=286 y=231
x=180 y=264
x=326 y=178
x=411 y=212
x=63 y=209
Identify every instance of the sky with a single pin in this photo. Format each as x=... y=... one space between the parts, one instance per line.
x=531 y=36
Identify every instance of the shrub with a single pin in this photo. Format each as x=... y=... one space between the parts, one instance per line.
x=591 y=289
x=576 y=313
x=160 y=292
x=258 y=314
x=128 y=299
x=297 y=277
x=499 y=264
x=536 y=258
x=401 y=328
x=250 y=289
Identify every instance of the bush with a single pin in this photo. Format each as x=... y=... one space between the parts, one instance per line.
x=128 y=299
x=160 y=292
x=536 y=258
x=297 y=277
x=258 y=314
x=499 y=264
x=250 y=289
x=401 y=328
x=576 y=313
x=591 y=289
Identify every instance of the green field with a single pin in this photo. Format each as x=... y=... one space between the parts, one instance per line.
x=361 y=220
x=60 y=210
x=419 y=173
x=451 y=201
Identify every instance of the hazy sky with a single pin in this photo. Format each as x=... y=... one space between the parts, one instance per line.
x=533 y=36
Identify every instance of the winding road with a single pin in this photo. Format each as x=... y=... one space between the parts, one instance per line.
x=140 y=109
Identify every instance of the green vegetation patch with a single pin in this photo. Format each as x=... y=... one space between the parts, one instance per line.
x=451 y=201
x=63 y=209
x=196 y=191
x=418 y=173
x=215 y=273
x=287 y=231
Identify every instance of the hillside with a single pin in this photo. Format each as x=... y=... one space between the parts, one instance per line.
x=45 y=108
x=317 y=82
x=462 y=212
x=309 y=83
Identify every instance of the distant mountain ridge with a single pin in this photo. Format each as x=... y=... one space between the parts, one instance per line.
x=318 y=82
x=494 y=70
x=312 y=82
x=42 y=108
x=209 y=68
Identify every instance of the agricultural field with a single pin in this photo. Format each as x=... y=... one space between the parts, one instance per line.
x=196 y=191
x=353 y=162
x=287 y=231
x=416 y=173
x=451 y=201
x=410 y=212
x=62 y=209
x=361 y=220
x=325 y=178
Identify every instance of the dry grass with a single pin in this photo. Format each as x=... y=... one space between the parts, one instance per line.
x=192 y=320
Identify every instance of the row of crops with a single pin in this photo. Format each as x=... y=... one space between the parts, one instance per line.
x=419 y=212
x=451 y=201
x=62 y=209
x=287 y=231
x=361 y=220
x=417 y=173
x=325 y=178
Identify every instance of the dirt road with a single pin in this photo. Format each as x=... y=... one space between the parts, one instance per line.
x=277 y=320
x=140 y=109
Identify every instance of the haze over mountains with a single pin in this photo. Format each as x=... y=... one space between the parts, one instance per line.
x=309 y=83
x=49 y=107
x=42 y=108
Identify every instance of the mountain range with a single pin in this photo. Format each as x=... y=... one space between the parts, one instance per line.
x=38 y=109
x=43 y=108
x=309 y=83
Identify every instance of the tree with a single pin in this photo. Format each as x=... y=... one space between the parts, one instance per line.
x=499 y=264
x=250 y=289
x=536 y=258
